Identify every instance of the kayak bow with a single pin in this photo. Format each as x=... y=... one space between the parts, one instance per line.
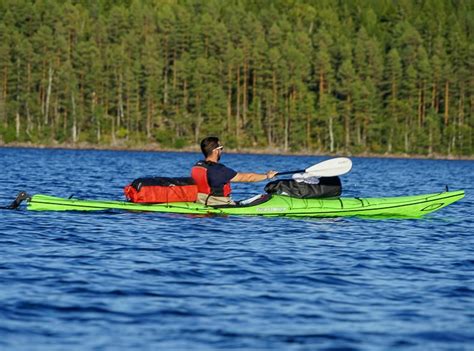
x=276 y=205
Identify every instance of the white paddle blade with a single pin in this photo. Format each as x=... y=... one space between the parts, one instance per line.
x=331 y=168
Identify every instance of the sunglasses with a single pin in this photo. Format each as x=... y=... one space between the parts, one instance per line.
x=219 y=148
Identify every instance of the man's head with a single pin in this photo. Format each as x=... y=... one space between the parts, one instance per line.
x=210 y=145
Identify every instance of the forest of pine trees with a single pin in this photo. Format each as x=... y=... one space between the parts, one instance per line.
x=355 y=76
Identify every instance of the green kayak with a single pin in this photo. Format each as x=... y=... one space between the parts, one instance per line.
x=270 y=205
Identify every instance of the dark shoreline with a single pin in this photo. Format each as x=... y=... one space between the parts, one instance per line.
x=267 y=151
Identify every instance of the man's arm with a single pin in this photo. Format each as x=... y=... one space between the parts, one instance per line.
x=253 y=177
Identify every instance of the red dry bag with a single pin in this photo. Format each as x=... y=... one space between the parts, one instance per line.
x=161 y=189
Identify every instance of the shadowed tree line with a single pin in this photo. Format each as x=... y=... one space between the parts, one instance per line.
x=356 y=76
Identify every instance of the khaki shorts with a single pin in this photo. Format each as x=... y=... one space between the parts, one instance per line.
x=214 y=200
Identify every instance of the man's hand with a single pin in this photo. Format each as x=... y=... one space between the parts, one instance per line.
x=271 y=174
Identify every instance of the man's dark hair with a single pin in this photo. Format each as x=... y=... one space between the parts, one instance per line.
x=208 y=144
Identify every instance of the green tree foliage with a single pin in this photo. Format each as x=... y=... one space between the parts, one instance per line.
x=329 y=76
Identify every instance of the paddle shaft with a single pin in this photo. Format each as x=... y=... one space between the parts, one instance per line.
x=291 y=172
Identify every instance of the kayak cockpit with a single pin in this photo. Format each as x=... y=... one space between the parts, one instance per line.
x=253 y=201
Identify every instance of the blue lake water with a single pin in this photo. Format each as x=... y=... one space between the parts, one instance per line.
x=149 y=281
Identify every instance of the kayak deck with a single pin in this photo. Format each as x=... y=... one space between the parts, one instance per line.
x=276 y=205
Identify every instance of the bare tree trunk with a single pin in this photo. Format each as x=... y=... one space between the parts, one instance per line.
x=407 y=146
x=331 y=134
x=254 y=85
x=366 y=128
x=27 y=102
x=390 y=140
x=256 y=118
x=74 y=119
x=175 y=71
x=237 y=112
x=137 y=116
x=114 y=140
x=434 y=98
x=185 y=96
x=176 y=125
x=273 y=109
x=97 y=119
x=197 y=130
x=65 y=117
x=197 y=127
x=453 y=142
x=149 y=119
x=446 y=103
x=245 y=88
x=41 y=100
x=48 y=95
x=99 y=135
x=229 y=98
x=165 y=90
x=18 y=102
x=347 y=122
x=3 y=98
x=321 y=87
x=461 y=115
x=17 y=124
x=269 y=126
x=128 y=104
x=392 y=112
x=120 y=112
x=185 y=103
x=308 y=131
x=420 y=108
x=461 y=105
x=3 y=116
x=287 y=122
x=430 y=141
x=358 y=128
x=56 y=116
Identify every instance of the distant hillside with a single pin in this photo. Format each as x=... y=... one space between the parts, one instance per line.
x=355 y=76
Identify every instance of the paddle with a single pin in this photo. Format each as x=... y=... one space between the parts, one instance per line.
x=329 y=168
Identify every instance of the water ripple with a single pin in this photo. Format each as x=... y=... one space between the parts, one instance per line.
x=141 y=281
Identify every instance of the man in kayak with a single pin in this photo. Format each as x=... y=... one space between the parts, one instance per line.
x=213 y=178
